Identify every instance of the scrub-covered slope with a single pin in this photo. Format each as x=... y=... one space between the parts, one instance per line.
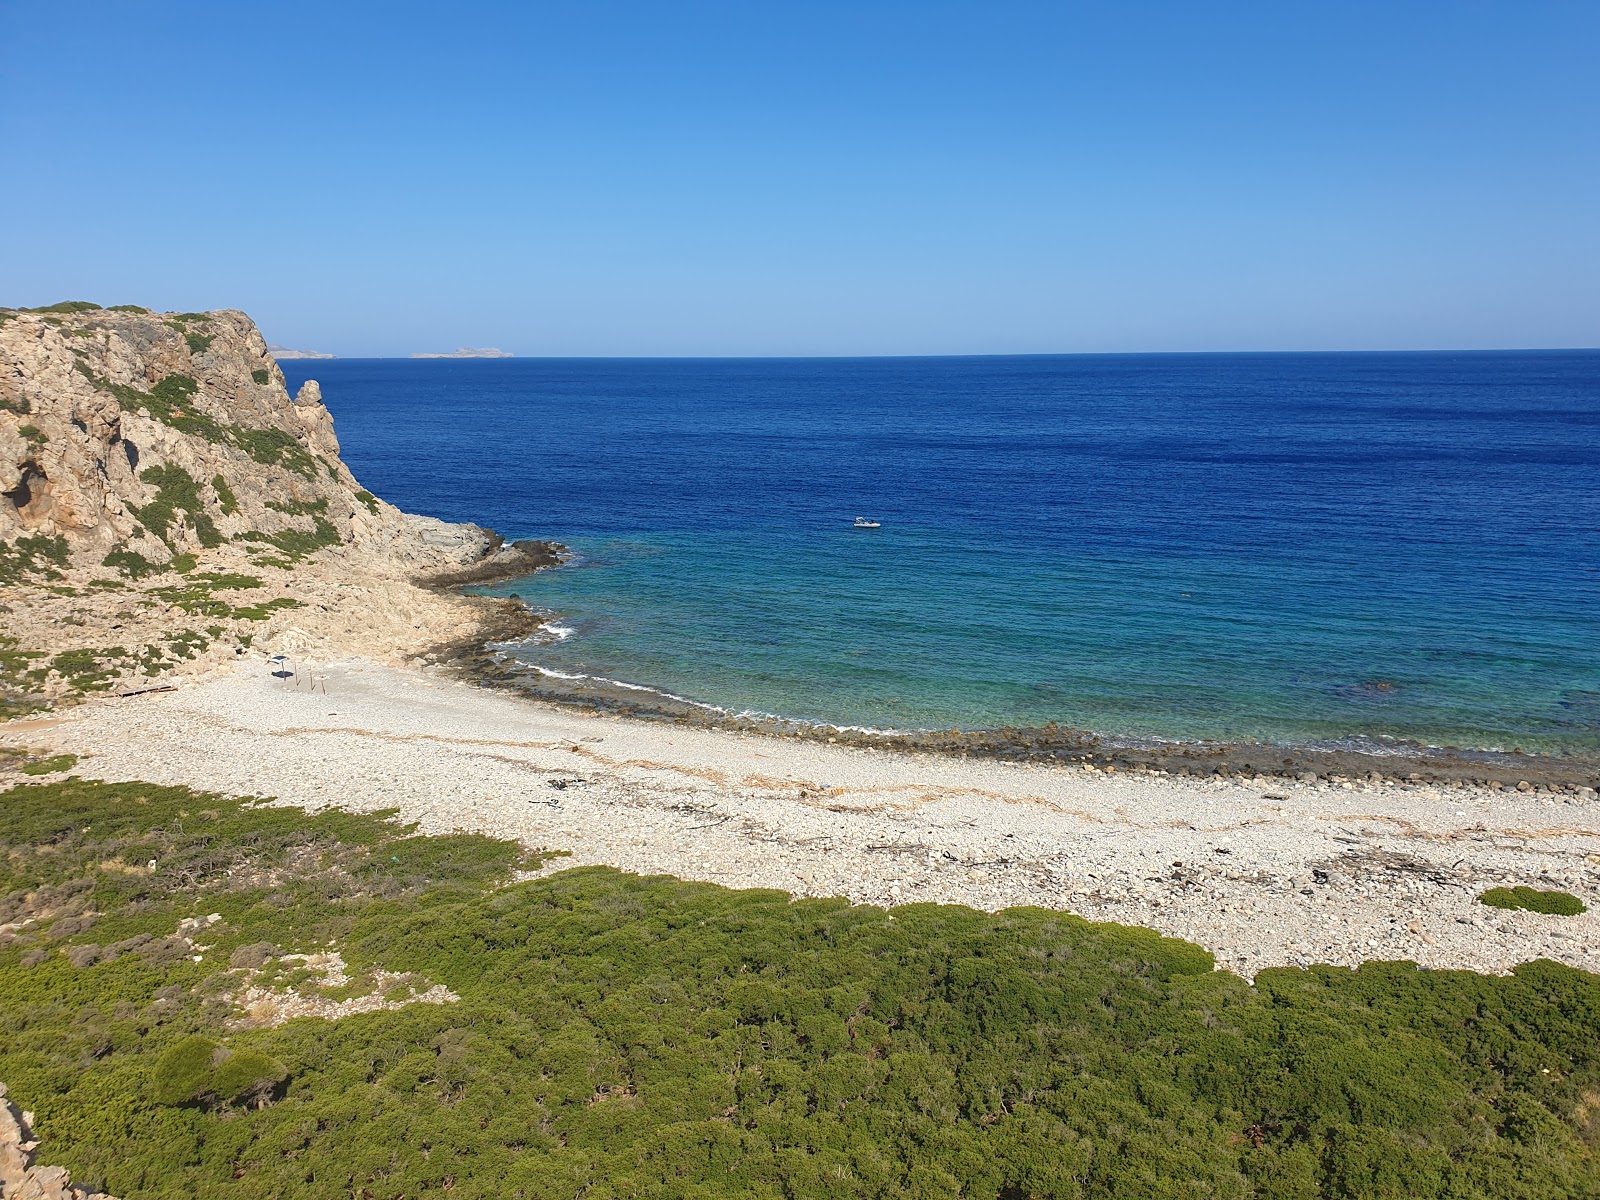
x=207 y=997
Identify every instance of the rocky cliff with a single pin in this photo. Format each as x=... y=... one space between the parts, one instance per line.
x=20 y=1177
x=157 y=480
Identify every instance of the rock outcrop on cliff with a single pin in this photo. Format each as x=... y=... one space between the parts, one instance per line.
x=159 y=434
x=165 y=501
x=20 y=1177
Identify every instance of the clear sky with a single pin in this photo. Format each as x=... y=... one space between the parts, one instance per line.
x=596 y=178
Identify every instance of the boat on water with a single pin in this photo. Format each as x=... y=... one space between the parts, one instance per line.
x=863 y=523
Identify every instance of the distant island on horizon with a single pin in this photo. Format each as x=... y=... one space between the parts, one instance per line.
x=278 y=351
x=285 y=352
x=468 y=352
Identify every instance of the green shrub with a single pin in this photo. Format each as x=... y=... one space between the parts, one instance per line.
x=128 y=308
x=246 y=1075
x=17 y=676
x=199 y=1069
x=33 y=435
x=276 y=448
x=176 y=491
x=33 y=554
x=369 y=500
x=1559 y=904
x=131 y=563
x=88 y=668
x=224 y=581
x=171 y=403
x=197 y=596
x=225 y=497
x=261 y=375
x=183 y=1073
x=50 y=766
x=299 y=508
x=297 y=544
x=198 y=343
x=260 y=612
x=66 y=306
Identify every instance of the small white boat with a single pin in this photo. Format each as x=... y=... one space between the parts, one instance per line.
x=863 y=523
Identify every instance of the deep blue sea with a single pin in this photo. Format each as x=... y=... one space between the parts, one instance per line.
x=1297 y=548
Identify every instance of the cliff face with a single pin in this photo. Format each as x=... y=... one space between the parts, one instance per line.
x=156 y=475
x=159 y=434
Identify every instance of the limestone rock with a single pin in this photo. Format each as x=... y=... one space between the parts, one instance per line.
x=20 y=1179
x=100 y=410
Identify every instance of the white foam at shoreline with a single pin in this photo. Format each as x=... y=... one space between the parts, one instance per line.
x=1377 y=746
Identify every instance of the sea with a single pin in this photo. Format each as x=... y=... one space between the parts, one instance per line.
x=1349 y=550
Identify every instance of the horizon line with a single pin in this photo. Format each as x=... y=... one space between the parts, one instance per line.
x=326 y=357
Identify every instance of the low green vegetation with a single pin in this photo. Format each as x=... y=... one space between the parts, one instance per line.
x=197 y=596
x=618 y=1036
x=34 y=436
x=128 y=308
x=66 y=306
x=33 y=554
x=276 y=448
x=50 y=766
x=268 y=559
x=226 y=500
x=25 y=675
x=17 y=684
x=1558 y=904
x=171 y=402
x=200 y=1070
x=87 y=668
x=298 y=508
x=226 y=581
x=260 y=612
x=296 y=544
x=369 y=500
x=179 y=646
x=261 y=375
x=177 y=491
x=133 y=564
x=198 y=343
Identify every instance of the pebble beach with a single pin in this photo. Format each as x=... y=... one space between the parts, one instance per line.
x=1261 y=873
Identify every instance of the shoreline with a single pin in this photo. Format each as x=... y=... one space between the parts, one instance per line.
x=487 y=661
x=1292 y=874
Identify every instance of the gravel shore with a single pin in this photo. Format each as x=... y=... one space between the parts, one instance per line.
x=1262 y=874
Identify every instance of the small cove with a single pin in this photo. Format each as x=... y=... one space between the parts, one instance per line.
x=1328 y=549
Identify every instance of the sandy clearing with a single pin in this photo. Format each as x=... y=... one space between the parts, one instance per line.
x=1261 y=875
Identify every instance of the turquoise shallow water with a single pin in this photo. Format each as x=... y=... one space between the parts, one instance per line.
x=1291 y=548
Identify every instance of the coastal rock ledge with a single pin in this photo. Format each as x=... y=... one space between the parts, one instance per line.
x=166 y=504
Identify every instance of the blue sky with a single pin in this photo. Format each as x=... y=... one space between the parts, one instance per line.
x=601 y=178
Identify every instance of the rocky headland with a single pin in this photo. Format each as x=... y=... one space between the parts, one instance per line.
x=166 y=505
